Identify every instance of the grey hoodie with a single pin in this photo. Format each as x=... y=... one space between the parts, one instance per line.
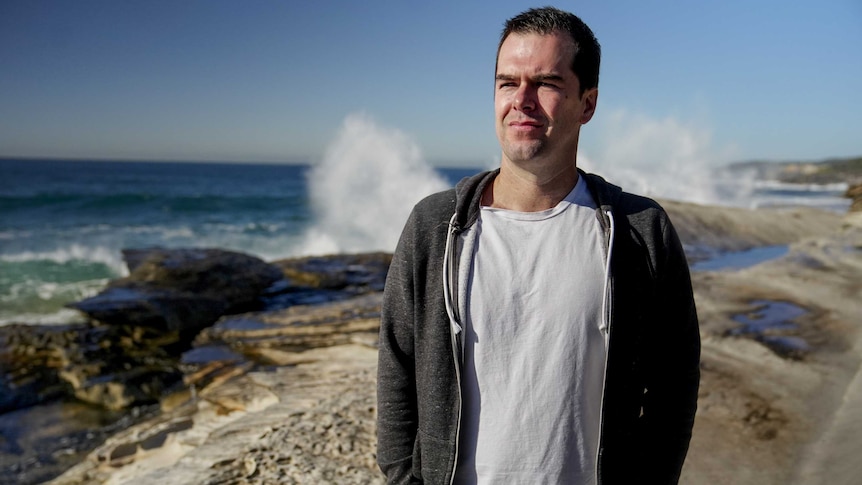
x=652 y=372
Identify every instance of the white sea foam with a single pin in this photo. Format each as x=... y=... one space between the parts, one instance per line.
x=46 y=291
x=364 y=188
x=39 y=302
x=75 y=252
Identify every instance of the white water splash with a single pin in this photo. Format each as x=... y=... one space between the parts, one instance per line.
x=364 y=188
x=666 y=158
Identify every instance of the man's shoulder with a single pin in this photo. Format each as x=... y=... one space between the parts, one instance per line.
x=436 y=205
x=631 y=204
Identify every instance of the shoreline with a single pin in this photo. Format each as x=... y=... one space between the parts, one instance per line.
x=302 y=407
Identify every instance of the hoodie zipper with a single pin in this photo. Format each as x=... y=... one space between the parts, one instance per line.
x=608 y=313
x=449 y=282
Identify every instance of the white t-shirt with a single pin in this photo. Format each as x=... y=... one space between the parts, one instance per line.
x=534 y=346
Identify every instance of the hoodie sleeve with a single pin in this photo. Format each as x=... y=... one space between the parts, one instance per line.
x=673 y=371
x=397 y=413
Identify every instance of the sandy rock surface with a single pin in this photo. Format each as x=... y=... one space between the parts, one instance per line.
x=309 y=420
x=768 y=418
x=735 y=228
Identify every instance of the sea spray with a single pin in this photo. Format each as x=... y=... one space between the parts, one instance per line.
x=363 y=189
x=666 y=158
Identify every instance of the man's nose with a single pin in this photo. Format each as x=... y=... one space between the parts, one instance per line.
x=525 y=98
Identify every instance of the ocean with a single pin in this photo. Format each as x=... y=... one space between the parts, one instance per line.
x=64 y=223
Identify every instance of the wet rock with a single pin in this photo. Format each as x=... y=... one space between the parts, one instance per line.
x=235 y=278
x=129 y=353
x=149 y=318
x=113 y=367
x=47 y=439
x=321 y=279
x=30 y=358
x=181 y=290
x=166 y=310
x=121 y=366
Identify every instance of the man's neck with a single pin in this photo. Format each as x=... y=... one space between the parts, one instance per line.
x=525 y=191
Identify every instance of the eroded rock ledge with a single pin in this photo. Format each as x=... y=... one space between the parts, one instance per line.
x=142 y=345
x=299 y=406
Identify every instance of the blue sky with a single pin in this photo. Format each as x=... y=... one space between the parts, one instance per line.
x=274 y=81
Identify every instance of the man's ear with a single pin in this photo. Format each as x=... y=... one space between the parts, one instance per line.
x=588 y=102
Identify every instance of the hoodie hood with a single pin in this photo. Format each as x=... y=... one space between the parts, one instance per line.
x=468 y=194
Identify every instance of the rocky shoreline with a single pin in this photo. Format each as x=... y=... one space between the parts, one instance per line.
x=151 y=339
x=280 y=387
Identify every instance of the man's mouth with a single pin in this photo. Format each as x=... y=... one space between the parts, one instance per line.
x=525 y=126
x=525 y=123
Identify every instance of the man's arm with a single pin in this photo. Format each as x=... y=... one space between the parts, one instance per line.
x=673 y=365
x=397 y=419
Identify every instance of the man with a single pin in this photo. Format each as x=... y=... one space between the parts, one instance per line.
x=538 y=323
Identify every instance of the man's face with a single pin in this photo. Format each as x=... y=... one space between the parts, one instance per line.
x=537 y=103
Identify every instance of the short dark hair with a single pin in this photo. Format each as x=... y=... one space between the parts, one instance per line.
x=549 y=20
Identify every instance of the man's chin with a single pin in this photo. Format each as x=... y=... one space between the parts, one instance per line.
x=525 y=152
